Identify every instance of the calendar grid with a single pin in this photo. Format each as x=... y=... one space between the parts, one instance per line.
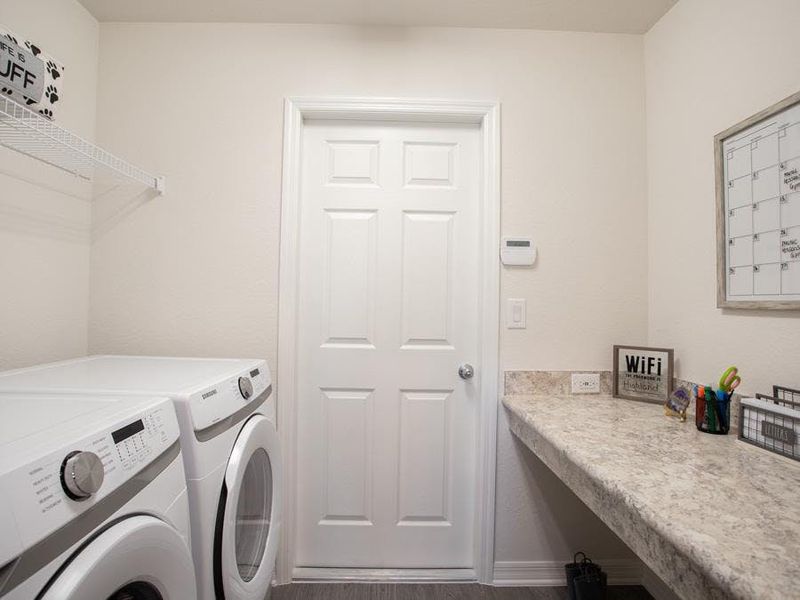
x=762 y=210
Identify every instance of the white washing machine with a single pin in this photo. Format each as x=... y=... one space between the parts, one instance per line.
x=230 y=447
x=93 y=503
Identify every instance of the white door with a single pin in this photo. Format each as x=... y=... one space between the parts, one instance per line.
x=389 y=294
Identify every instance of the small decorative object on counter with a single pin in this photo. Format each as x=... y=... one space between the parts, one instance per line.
x=772 y=422
x=677 y=403
x=585 y=579
x=642 y=373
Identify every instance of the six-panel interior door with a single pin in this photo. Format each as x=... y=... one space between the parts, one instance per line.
x=389 y=298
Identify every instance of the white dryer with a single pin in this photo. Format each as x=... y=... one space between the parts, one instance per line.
x=231 y=454
x=93 y=502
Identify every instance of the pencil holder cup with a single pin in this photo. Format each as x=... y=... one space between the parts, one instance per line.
x=712 y=415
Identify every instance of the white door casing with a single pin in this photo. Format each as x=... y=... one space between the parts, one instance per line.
x=391 y=258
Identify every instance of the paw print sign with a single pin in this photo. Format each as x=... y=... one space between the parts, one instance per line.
x=51 y=93
x=35 y=50
x=28 y=75
x=53 y=69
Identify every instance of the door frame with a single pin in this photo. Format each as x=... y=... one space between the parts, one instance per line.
x=487 y=116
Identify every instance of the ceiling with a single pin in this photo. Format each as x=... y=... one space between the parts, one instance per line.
x=611 y=16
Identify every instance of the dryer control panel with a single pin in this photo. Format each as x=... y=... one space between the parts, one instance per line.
x=51 y=491
x=228 y=397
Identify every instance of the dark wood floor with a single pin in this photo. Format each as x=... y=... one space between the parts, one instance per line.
x=438 y=591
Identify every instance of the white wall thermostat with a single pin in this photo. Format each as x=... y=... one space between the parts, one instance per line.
x=518 y=251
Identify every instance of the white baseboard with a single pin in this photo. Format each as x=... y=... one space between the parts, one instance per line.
x=541 y=573
x=511 y=573
x=322 y=574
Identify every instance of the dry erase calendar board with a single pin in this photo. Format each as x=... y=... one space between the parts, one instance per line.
x=758 y=210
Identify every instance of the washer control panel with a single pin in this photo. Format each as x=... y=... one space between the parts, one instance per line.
x=48 y=492
x=135 y=443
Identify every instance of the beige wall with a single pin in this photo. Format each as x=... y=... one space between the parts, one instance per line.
x=196 y=272
x=710 y=64
x=44 y=213
x=573 y=172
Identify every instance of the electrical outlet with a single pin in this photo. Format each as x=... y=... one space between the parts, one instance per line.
x=585 y=383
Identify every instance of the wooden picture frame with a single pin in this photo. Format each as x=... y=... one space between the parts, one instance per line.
x=663 y=379
x=723 y=269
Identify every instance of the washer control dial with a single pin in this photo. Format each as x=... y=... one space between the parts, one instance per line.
x=82 y=474
x=245 y=387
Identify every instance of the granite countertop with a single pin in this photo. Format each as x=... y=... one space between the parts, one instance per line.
x=712 y=516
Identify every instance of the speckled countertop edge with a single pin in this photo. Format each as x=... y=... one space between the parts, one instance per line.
x=732 y=547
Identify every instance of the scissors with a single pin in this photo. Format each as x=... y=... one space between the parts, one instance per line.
x=730 y=380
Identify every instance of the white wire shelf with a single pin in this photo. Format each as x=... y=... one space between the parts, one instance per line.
x=26 y=132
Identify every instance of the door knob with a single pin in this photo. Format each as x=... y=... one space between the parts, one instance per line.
x=466 y=371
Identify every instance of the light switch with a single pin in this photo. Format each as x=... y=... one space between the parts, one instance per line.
x=515 y=313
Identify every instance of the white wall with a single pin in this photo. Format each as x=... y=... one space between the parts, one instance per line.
x=44 y=214
x=196 y=272
x=710 y=64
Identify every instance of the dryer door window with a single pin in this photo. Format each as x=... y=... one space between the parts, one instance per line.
x=253 y=513
x=138 y=590
x=248 y=521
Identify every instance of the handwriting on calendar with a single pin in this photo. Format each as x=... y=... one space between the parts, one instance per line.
x=791 y=248
x=791 y=178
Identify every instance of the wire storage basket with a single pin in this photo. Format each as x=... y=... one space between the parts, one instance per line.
x=772 y=422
